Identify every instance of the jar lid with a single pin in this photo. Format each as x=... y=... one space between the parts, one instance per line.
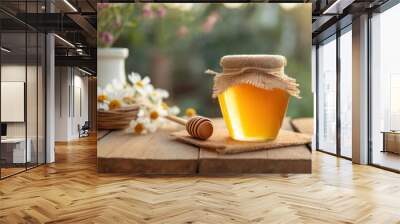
x=262 y=71
x=256 y=60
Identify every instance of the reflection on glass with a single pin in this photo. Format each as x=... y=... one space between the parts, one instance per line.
x=15 y=151
x=385 y=114
x=346 y=94
x=327 y=97
x=22 y=90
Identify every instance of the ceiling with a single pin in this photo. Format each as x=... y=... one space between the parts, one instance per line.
x=331 y=15
x=74 y=22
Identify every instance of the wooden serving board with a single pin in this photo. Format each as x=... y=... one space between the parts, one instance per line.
x=303 y=125
x=159 y=154
x=101 y=134
x=294 y=159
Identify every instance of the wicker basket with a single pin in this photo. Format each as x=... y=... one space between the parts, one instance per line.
x=116 y=119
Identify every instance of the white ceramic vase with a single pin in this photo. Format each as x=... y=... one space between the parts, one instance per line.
x=111 y=65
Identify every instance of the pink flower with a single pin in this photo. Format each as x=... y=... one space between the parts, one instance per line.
x=106 y=37
x=147 y=11
x=182 y=31
x=210 y=22
x=103 y=5
x=161 y=11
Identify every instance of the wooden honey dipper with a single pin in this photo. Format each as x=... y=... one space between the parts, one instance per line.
x=198 y=127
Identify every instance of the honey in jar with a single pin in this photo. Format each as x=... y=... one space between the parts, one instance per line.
x=253 y=93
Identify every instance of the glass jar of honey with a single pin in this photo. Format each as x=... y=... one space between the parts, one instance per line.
x=253 y=93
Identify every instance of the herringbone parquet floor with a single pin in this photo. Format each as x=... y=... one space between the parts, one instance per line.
x=70 y=191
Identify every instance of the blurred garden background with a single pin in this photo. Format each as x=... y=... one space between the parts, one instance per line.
x=174 y=43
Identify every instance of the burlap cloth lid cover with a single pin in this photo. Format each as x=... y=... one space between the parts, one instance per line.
x=262 y=71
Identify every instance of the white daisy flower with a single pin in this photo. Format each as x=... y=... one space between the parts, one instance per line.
x=118 y=95
x=139 y=126
x=102 y=106
x=157 y=112
x=102 y=99
x=114 y=86
x=129 y=95
x=143 y=86
x=174 y=110
x=152 y=112
x=157 y=95
x=142 y=112
x=146 y=90
x=134 y=77
x=153 y=126
x=189 y=113
x=161 y=93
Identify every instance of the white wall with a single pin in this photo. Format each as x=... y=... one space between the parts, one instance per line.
x=71 y=103
x=61 y=104
x=80 y=110
x=33 y=126
x=12 y=73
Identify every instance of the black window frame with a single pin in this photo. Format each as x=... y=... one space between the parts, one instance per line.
x=335 y=36
x=30 y=29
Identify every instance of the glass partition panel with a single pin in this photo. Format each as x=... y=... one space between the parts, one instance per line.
x=22 y=88
x=385 y=89
x=34 y=88
x=346 y=94
x=32 y=98
x=327 y=96
x=15 y=151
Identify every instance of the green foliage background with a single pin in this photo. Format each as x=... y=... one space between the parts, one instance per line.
x=253 y=28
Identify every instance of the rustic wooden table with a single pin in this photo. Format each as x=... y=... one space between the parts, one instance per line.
x=160 y=154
